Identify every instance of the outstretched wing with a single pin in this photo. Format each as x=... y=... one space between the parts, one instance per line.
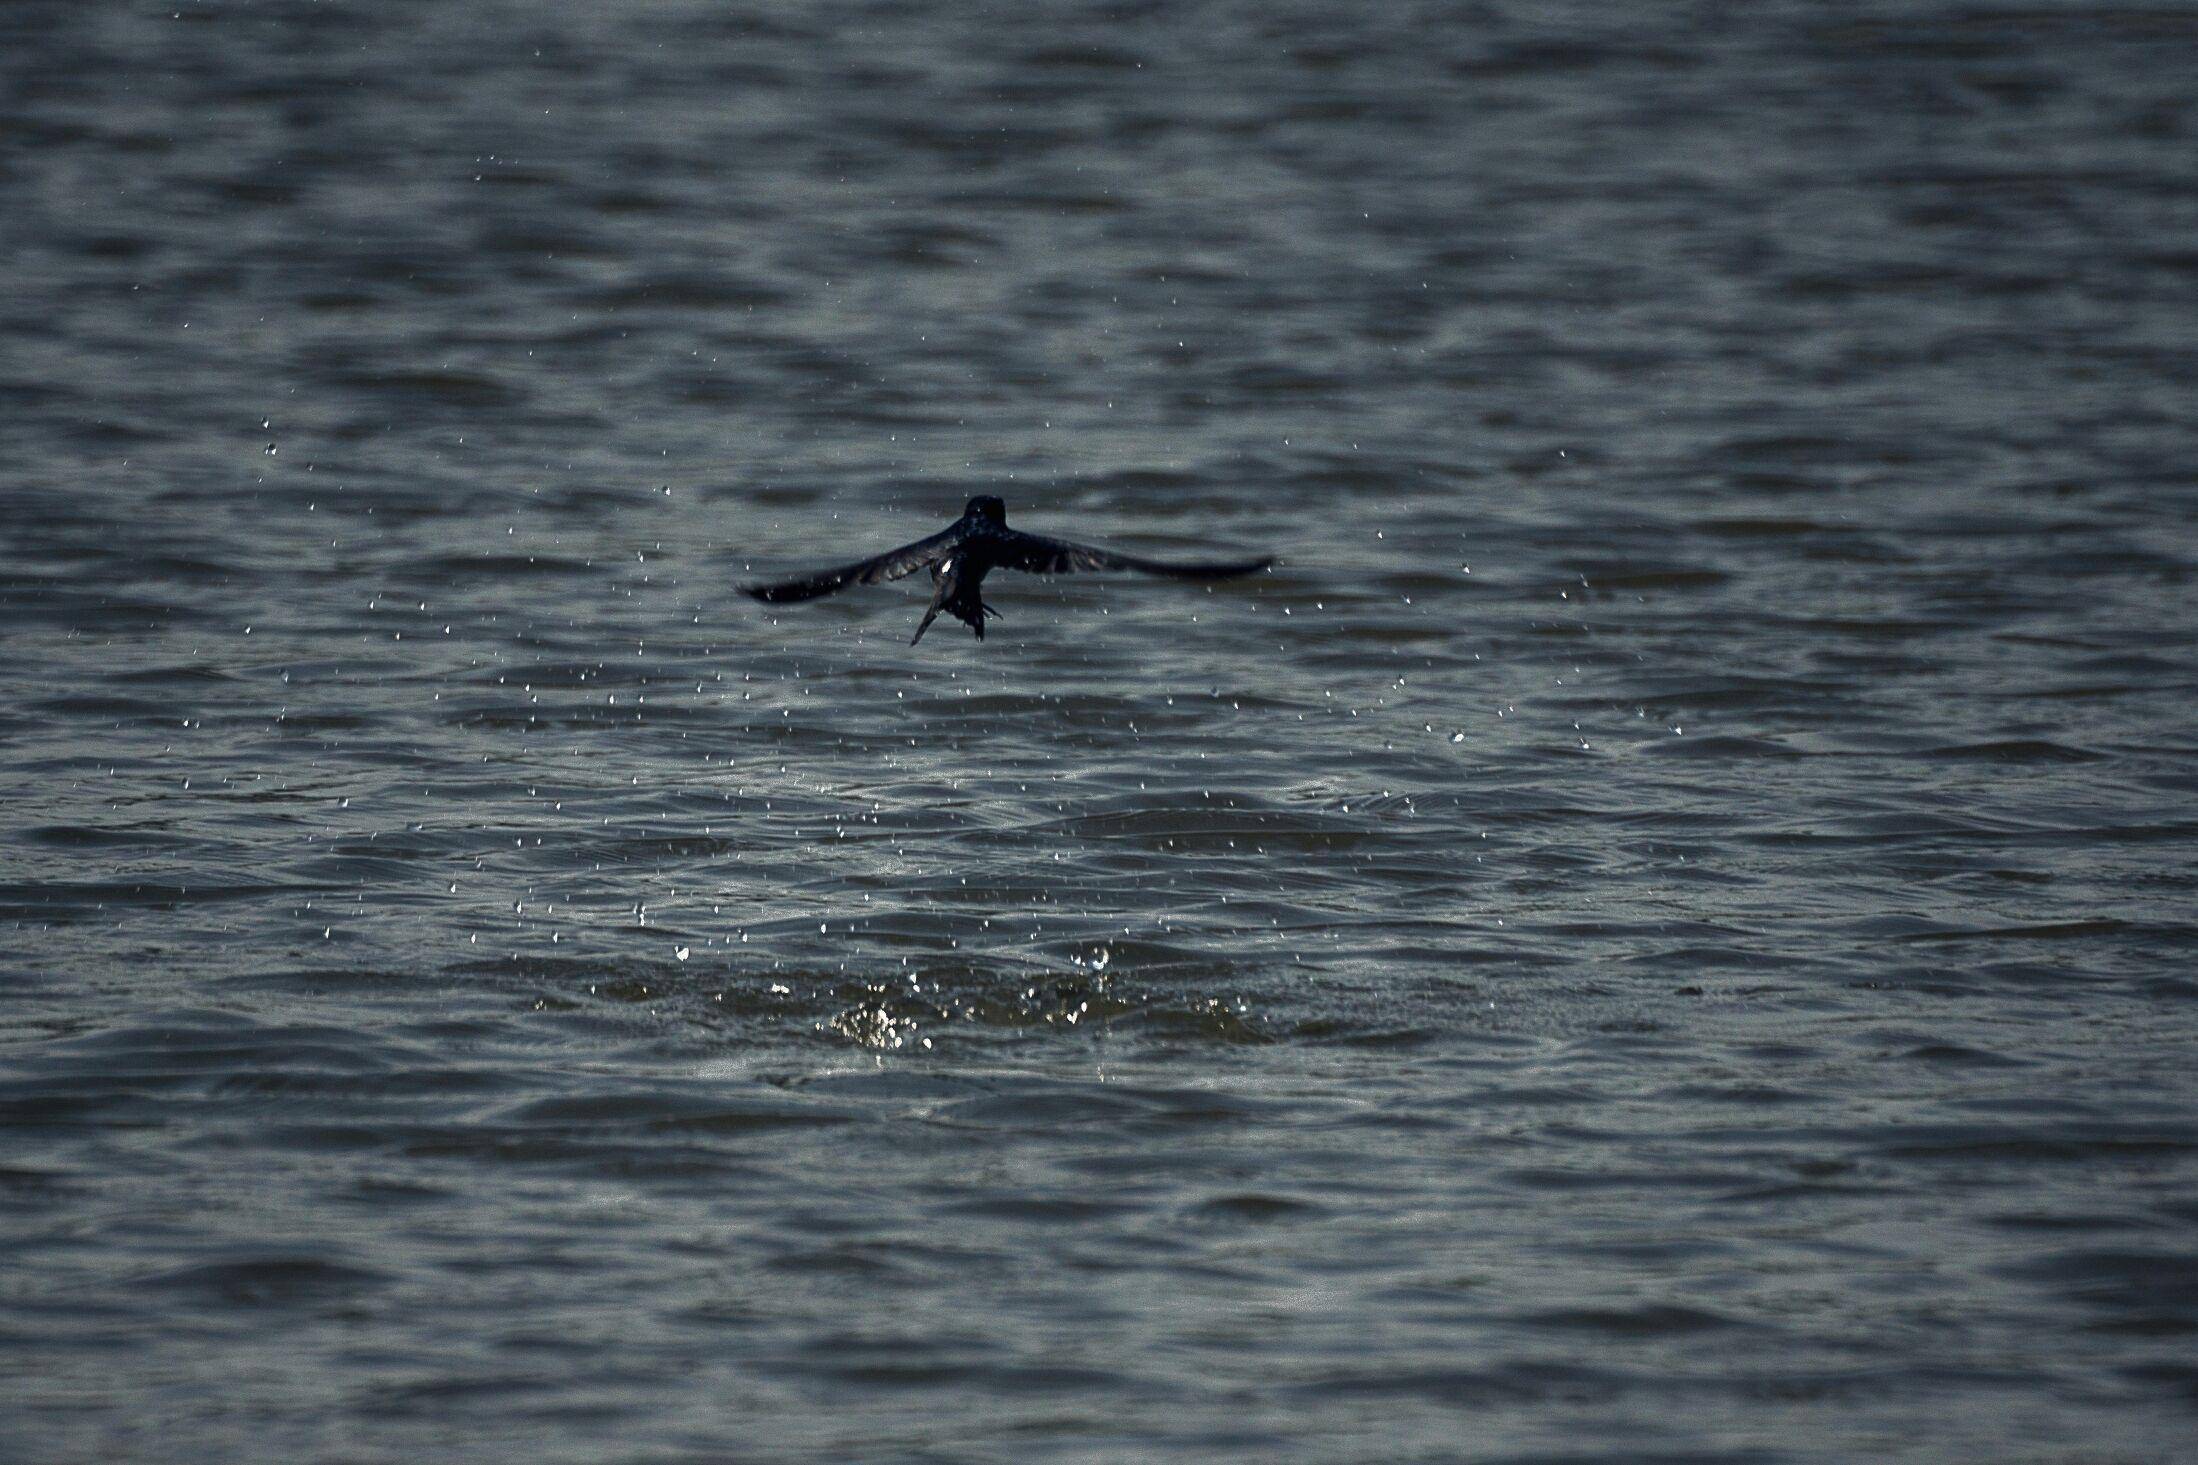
x=891 y=565
x=1039 y=555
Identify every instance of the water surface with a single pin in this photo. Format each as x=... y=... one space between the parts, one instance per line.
x=1663 y=929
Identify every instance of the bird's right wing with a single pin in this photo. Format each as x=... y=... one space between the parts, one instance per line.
x=891 y=565
x=1039 y=555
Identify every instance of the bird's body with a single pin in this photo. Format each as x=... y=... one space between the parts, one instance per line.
x=962 y=554
x=956 y=581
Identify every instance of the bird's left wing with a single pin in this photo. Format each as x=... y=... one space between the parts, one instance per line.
x=1038 y=555
x=891 y=565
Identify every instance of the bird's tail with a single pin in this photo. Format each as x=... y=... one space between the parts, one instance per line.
x=925 y=624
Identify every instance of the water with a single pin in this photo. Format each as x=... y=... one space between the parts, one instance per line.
x=1662 y=930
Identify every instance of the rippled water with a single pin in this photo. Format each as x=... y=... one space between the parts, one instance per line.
x=1663 y=929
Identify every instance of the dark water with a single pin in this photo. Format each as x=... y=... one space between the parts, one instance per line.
x=1663 y=930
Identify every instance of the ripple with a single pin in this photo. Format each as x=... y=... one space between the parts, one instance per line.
x=2014 y=751
x=269 y=1280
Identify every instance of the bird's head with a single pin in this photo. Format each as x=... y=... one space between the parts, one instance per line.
x=984 y=506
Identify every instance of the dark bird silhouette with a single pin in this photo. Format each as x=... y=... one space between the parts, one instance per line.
x=962 y=554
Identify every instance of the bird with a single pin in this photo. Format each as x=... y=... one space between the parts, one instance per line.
x=965 y=551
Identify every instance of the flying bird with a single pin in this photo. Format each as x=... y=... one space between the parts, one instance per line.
x=965 y=551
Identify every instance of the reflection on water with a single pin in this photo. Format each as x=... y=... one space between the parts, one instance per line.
x=1661 y=929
